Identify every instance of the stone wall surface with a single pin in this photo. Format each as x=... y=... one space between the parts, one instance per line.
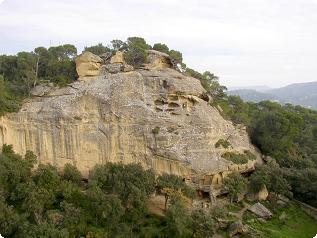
x=154 y=117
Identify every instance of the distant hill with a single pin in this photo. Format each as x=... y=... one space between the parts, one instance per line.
x=304 y=94
x=259 y=88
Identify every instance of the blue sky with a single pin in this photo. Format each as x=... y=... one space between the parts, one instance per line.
x=245 y=42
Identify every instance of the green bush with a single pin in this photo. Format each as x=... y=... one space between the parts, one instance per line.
x=156 y=130
x=224 y=143
x=238 y=158
x=136 y=53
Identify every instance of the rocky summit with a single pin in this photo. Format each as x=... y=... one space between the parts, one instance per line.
x=155 y=116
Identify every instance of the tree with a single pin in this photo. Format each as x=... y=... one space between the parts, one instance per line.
x=272 y=177
x=136 y=53
x=9 y=219
x=303 y=184
x=47 y=177
x=202 y=224
x=169 y=184
x=176 y=55
x=37 y=202
x=118 y=45
x=106 y=209
x=211 y=84
x=26 y=67
x=161 y=47
x=7 y=102
x=235 y=184
x=71 y=173
x=98 y=49
x=178 y=221
x=13 y=170
x=130 y=182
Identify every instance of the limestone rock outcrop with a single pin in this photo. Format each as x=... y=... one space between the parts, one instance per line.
x=158 y=60
x=261 y=211
x=88 y=64
x=158 y=118
x=117 y=58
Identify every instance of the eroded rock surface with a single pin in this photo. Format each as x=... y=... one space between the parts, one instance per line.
x=88 y=64
x=158 y=118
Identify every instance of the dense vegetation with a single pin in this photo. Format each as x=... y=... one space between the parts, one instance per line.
x=43 y=202
x=286 y=133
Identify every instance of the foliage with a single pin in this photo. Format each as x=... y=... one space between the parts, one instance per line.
x=161 y=47
x=239 y=158
x=210 y=83
x=156 y=130
x=236 y=184
x=224 y=143
x=46 y=203
x=174 y=187
x=297 y=224
x=203 y=224
x=20 y=73
x=177 y=221
x=272 y=177
x=98 y=49
x=285 y=132
x=72 y=174
x=130 y=182
x=303 y=184
x=7 y=102
x=176 y=55
x=136 y=53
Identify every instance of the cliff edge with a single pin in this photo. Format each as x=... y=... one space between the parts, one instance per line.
x=155 y=116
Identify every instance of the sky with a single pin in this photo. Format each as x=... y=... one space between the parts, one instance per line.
x=244 y=42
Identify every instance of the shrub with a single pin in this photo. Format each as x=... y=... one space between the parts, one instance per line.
x=239 y=158
x=156 y=130
x=235 y=183
x=136 y=54
x=224 y=143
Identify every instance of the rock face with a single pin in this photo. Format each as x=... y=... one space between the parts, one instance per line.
x=261 y=211
x=153 y=117
x=117 y=58
x=88 y=64
x=158 y=60
x=236 y=228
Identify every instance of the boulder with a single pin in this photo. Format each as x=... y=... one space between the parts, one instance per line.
x=106 y=57
x=263 y=194
x=42 y=90
x=281 y=203
x=113 y=68
x=261 y=211
x=117 y=58
x=127 y=68
x=88 y=64
x=236 y=228
x=158 y=60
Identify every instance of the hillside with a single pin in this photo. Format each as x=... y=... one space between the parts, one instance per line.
x=304 y=94
x=128 y=141
x=153 y=116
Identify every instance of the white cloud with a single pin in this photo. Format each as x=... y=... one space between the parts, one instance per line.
x=244 y=41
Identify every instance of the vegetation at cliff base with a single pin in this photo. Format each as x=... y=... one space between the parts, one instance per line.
x=45 y=202
x=287 y=134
